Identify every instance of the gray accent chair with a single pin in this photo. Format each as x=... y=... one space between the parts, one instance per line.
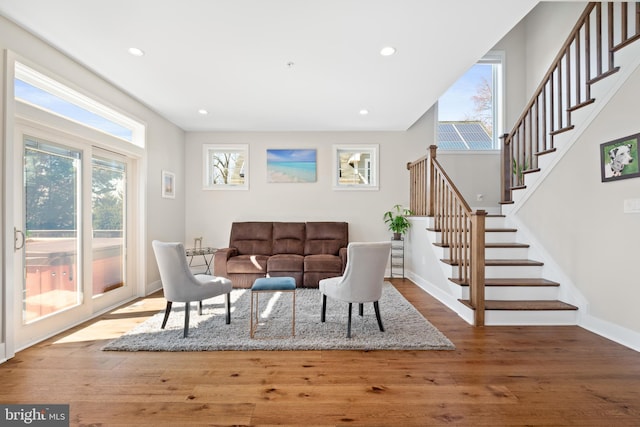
x=181 y=285
x=362 y=279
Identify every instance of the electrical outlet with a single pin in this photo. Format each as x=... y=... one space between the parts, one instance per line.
x=632 y=206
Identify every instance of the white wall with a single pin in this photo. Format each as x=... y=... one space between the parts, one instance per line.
x=162 y=218
x=580 y=219
x=209 y=213
x=547 y=27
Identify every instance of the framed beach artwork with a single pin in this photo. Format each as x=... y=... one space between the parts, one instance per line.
x=168 y=185
x=355 y=167
x=291 y=165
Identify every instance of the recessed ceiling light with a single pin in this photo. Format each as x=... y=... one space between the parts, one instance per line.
x=135 y=51
x=387 y=51
x=203 y=112
x=364 y=112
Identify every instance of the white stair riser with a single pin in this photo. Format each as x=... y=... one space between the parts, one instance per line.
x=517 y=317
x=505 y=272
x=494 y=222
x=500 y=237
x=502 y=272
x=516 y=293
x=506 y=253
x=530 y=317
x=489 y=253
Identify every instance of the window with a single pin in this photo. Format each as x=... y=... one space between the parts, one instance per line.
x=38 y=90
x=355 y=167
x=469 y=113
x=226 y=167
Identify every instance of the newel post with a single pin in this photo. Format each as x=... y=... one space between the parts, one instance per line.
x=431 y=177
x=506 y=167
x=476 y=288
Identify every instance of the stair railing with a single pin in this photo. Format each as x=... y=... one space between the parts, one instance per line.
x=586 y=57
x=462 y=230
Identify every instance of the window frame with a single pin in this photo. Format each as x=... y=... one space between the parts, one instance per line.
x=58 y=89
x=498 y=106
x=241 y=150
x=372 y=166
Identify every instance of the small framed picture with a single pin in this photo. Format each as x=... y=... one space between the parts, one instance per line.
x=619 y=159
x=168 y=185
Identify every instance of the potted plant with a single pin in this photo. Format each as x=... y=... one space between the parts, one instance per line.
x=397 y=221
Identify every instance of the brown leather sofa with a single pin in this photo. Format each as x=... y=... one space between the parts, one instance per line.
x=308 y=252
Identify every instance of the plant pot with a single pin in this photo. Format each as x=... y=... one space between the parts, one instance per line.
x=397 y=236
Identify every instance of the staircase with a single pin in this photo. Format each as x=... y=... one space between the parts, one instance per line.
x=494 y=280
x=516 y=292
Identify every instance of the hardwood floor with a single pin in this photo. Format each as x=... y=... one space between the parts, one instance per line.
x=497 y=376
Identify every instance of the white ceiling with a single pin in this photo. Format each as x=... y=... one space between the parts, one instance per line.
x=231 y=57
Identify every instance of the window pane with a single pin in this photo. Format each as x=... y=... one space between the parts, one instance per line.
x=226 y=167
x=466 y=112
x=40 y=91
x=45 y=100
x=51 y=176
x=108 y=208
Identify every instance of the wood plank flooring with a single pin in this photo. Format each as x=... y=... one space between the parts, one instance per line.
x=497 y=376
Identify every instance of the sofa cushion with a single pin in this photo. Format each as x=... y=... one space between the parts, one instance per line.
x=247 y=264
x=326 y=237
x=285 y=262
x=324 y=263
x=252 y=238
x=288 y=238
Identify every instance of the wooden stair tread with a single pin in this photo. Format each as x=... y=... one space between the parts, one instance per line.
x=489 y=245
x=500 y=230
x=532 y=281
x=503 y=262
x=487 y=230
x=534 y=305
x=506 y=245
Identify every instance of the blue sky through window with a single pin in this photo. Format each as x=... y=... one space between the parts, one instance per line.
x=456 y=103
x=45 y=100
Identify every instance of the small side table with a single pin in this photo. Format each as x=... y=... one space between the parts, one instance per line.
x=271 y=284
x=205 y=253
x=397 y=257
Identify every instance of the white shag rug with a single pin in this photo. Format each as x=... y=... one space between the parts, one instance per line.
x=405 y=327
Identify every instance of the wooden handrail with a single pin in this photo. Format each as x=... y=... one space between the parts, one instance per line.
x=434 y=194
x=566 y=87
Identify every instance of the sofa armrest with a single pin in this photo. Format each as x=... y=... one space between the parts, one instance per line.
x=220 y=259
x=343 y=257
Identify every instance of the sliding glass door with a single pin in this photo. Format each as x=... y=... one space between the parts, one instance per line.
x=52 y=229
x=73 y=207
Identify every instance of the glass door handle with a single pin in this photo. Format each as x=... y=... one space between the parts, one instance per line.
x=17 y=233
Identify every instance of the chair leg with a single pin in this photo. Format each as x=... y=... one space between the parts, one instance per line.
x=199 y=308
x=376 y=307
x=166 y=314
x=361 y=309
x=324 y=307
x=187 y=308
x=228 y=301
x=349 y=322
